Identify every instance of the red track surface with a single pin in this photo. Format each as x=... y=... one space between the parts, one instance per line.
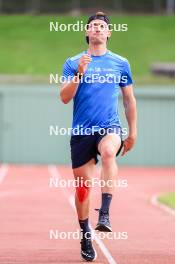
x=29 y=209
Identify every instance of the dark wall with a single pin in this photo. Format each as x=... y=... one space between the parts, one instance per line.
x=85 y=6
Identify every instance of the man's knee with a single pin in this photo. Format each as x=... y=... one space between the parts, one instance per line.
x=108 y=153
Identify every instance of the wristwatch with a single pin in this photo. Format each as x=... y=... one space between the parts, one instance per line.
x=79 y=75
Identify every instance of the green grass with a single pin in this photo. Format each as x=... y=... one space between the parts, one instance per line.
x=168 y=199
x=27 y=46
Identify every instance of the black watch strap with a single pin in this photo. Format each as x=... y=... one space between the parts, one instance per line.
x=79 y=75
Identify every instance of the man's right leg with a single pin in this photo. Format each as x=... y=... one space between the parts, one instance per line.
x=83 y=173
x=82 y=201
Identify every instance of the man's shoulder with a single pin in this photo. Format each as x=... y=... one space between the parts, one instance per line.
x=76 y=57
x=117 y=57
x=72 y=62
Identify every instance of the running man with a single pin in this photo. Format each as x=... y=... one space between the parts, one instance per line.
x=94 y=78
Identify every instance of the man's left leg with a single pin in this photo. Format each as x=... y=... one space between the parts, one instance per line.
x=108 y=148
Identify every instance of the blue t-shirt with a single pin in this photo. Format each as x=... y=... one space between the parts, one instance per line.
x=96 y=100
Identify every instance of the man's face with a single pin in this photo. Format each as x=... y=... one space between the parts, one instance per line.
x=98 y=32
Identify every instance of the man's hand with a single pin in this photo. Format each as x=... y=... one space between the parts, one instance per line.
x=128 y=144
x=129 y=102
x=83 y=63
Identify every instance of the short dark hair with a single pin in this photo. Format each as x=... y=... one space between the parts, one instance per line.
x=98 y=15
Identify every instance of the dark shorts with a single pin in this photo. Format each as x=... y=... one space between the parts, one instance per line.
x=85 y=147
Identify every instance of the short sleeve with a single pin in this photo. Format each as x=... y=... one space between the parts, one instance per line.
x=126 y=76
x=68 y=71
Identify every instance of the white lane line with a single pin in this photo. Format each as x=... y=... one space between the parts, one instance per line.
x=3 y=172
x=55 y=174
x=155 y=202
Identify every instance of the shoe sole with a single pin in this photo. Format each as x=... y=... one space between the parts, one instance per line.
x=92 y=259
x=103 y=228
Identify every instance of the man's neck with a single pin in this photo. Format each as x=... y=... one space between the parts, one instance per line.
x=97 y=50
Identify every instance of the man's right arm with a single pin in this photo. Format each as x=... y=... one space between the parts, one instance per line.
x=68 y=90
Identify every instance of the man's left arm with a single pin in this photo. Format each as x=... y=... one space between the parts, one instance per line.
x=129 y=103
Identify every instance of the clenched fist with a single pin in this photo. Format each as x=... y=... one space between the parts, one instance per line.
x=128 y=144
x=83 y=63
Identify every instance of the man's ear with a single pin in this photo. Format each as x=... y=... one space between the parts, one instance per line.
x=109 y=33
x=86 y=36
